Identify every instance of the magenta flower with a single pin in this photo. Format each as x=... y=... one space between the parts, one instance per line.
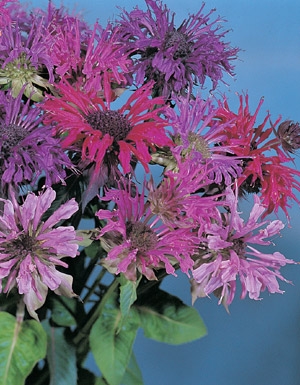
x=226 y=252
x=85 y=119
x=178 y=201
x=106 y=67
x=176 y=58
x=71 y=36
x=5 y=12
x=27 y=148
x=30 y=248
x=137 y=241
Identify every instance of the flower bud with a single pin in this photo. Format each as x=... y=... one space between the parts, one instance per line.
x=289 y=134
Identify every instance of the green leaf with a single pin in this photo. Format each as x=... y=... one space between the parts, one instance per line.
x=63 y=309
x=86 y=237
x=61 y=357
x=111 y=344
x=93 y=249
x=127 y=294
x=166 y=318
x=100 y=381
x=133 y=375
x=22 y=345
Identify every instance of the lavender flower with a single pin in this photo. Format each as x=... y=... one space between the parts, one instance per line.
x=30 y=249
x=197 y=135
x=27 y=149
x=226 y=253
x=176 y=58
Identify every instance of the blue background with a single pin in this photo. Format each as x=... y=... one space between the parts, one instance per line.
x=258 y=343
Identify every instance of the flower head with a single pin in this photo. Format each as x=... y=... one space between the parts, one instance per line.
x=176 y=58
x=105 y=135
x=197 y=135
x=70 y=39
x=26 y=60
x=227 y=252
x=289 y=134
x=106 y=67
x=30 y=248
x=264 y=169
x=27 y=148
x=178 y=201
x=137 y=241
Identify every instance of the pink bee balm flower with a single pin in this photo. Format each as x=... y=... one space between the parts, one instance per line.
x=30 y=248
x=136 y=240
x=227 y=253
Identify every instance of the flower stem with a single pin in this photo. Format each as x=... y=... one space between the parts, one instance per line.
x=81 y=338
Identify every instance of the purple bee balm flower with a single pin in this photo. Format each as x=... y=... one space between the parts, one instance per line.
x=27 y=148
x=30 y=249
x=196 y=134
x=136 y=240
x=25 y=60
x=5 y=12
x=227 y=252
x=176 y=58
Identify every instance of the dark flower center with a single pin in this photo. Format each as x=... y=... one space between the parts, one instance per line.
x=239 y=247
x=110 y=122
x=180 y=42
x=10 y=136
x=250 y=187
x=142 y=237
x=21 y=246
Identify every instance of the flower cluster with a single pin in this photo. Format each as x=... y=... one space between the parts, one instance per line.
x=88 y=114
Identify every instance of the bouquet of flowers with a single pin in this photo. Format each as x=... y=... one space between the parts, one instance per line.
x=118 y=170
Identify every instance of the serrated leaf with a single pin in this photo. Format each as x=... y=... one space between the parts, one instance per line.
x=110 y=346
x=63 y=309
x=166 y=318
x=61 y=357
x=133 y=374
x=22 y=345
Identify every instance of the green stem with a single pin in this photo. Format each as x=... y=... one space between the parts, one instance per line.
x=93 y=315
x=94 y=286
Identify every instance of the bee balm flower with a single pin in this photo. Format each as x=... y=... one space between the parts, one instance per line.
x=30 y=249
